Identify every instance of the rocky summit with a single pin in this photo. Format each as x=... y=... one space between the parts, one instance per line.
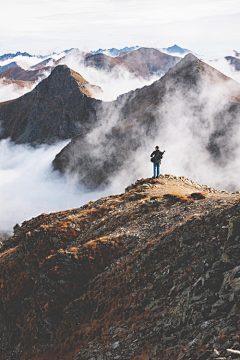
x=59 y=107
x=152 y=273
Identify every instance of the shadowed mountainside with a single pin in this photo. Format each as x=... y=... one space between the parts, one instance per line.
x=60 y=107
x=152 y=273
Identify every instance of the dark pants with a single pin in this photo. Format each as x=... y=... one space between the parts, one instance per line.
x=156 y=168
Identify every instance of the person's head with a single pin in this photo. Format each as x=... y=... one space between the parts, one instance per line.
x=156 y=147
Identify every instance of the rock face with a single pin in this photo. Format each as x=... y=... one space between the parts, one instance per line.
x=191 y=86
x=152 y=273
x=60 y=107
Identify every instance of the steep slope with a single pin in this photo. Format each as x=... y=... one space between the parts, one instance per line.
x=191 y=89
x=150 y=273
x=60 y=107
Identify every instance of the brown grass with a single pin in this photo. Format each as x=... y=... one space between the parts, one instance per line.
x=175 y=197
x=198 y=195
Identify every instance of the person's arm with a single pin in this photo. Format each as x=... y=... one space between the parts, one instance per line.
x=152 y=154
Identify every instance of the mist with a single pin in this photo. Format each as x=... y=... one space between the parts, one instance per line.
x=114 y=83
x=199 y=133
x=29 y=187
x=10 y=91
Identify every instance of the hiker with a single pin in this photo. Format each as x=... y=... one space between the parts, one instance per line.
x=156 y=157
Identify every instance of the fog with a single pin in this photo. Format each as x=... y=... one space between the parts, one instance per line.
x=189 y=123
x=29 y=187
x=113 y=84
x=13 y=91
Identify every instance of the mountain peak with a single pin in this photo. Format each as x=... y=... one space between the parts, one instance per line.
x=177 y=49
x=66 y=74
x=63 y=108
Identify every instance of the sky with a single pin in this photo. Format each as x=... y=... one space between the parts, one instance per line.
x=206 y=27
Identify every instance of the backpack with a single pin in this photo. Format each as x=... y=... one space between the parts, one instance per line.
x=157 y=157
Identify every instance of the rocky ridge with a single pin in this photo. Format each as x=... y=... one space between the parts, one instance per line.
x=58 y=108
x=152 y=273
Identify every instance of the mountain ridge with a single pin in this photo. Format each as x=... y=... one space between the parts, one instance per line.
x=149 y=273
x=54 y=100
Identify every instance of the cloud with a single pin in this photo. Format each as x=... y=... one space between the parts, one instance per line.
x=12 y=91
x=113 y=84
x=29 y=187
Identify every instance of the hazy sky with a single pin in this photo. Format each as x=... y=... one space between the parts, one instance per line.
x=43 y=26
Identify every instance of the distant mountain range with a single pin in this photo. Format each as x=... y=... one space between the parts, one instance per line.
x=142 y=62
x=18 y=73
x=109 y=52
x=114 y=51
x=11 y=56
x=175 y=49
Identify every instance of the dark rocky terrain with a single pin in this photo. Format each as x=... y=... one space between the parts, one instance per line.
x=152 y=273
x=59 y=107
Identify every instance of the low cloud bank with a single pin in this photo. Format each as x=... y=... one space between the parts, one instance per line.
x=12 y=91
x=29 y=187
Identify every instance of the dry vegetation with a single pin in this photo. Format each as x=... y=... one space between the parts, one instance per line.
x=113 y=271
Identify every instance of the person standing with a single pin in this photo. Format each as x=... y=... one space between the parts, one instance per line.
x=156 y=157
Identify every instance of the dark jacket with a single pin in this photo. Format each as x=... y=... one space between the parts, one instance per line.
x=157 y=155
